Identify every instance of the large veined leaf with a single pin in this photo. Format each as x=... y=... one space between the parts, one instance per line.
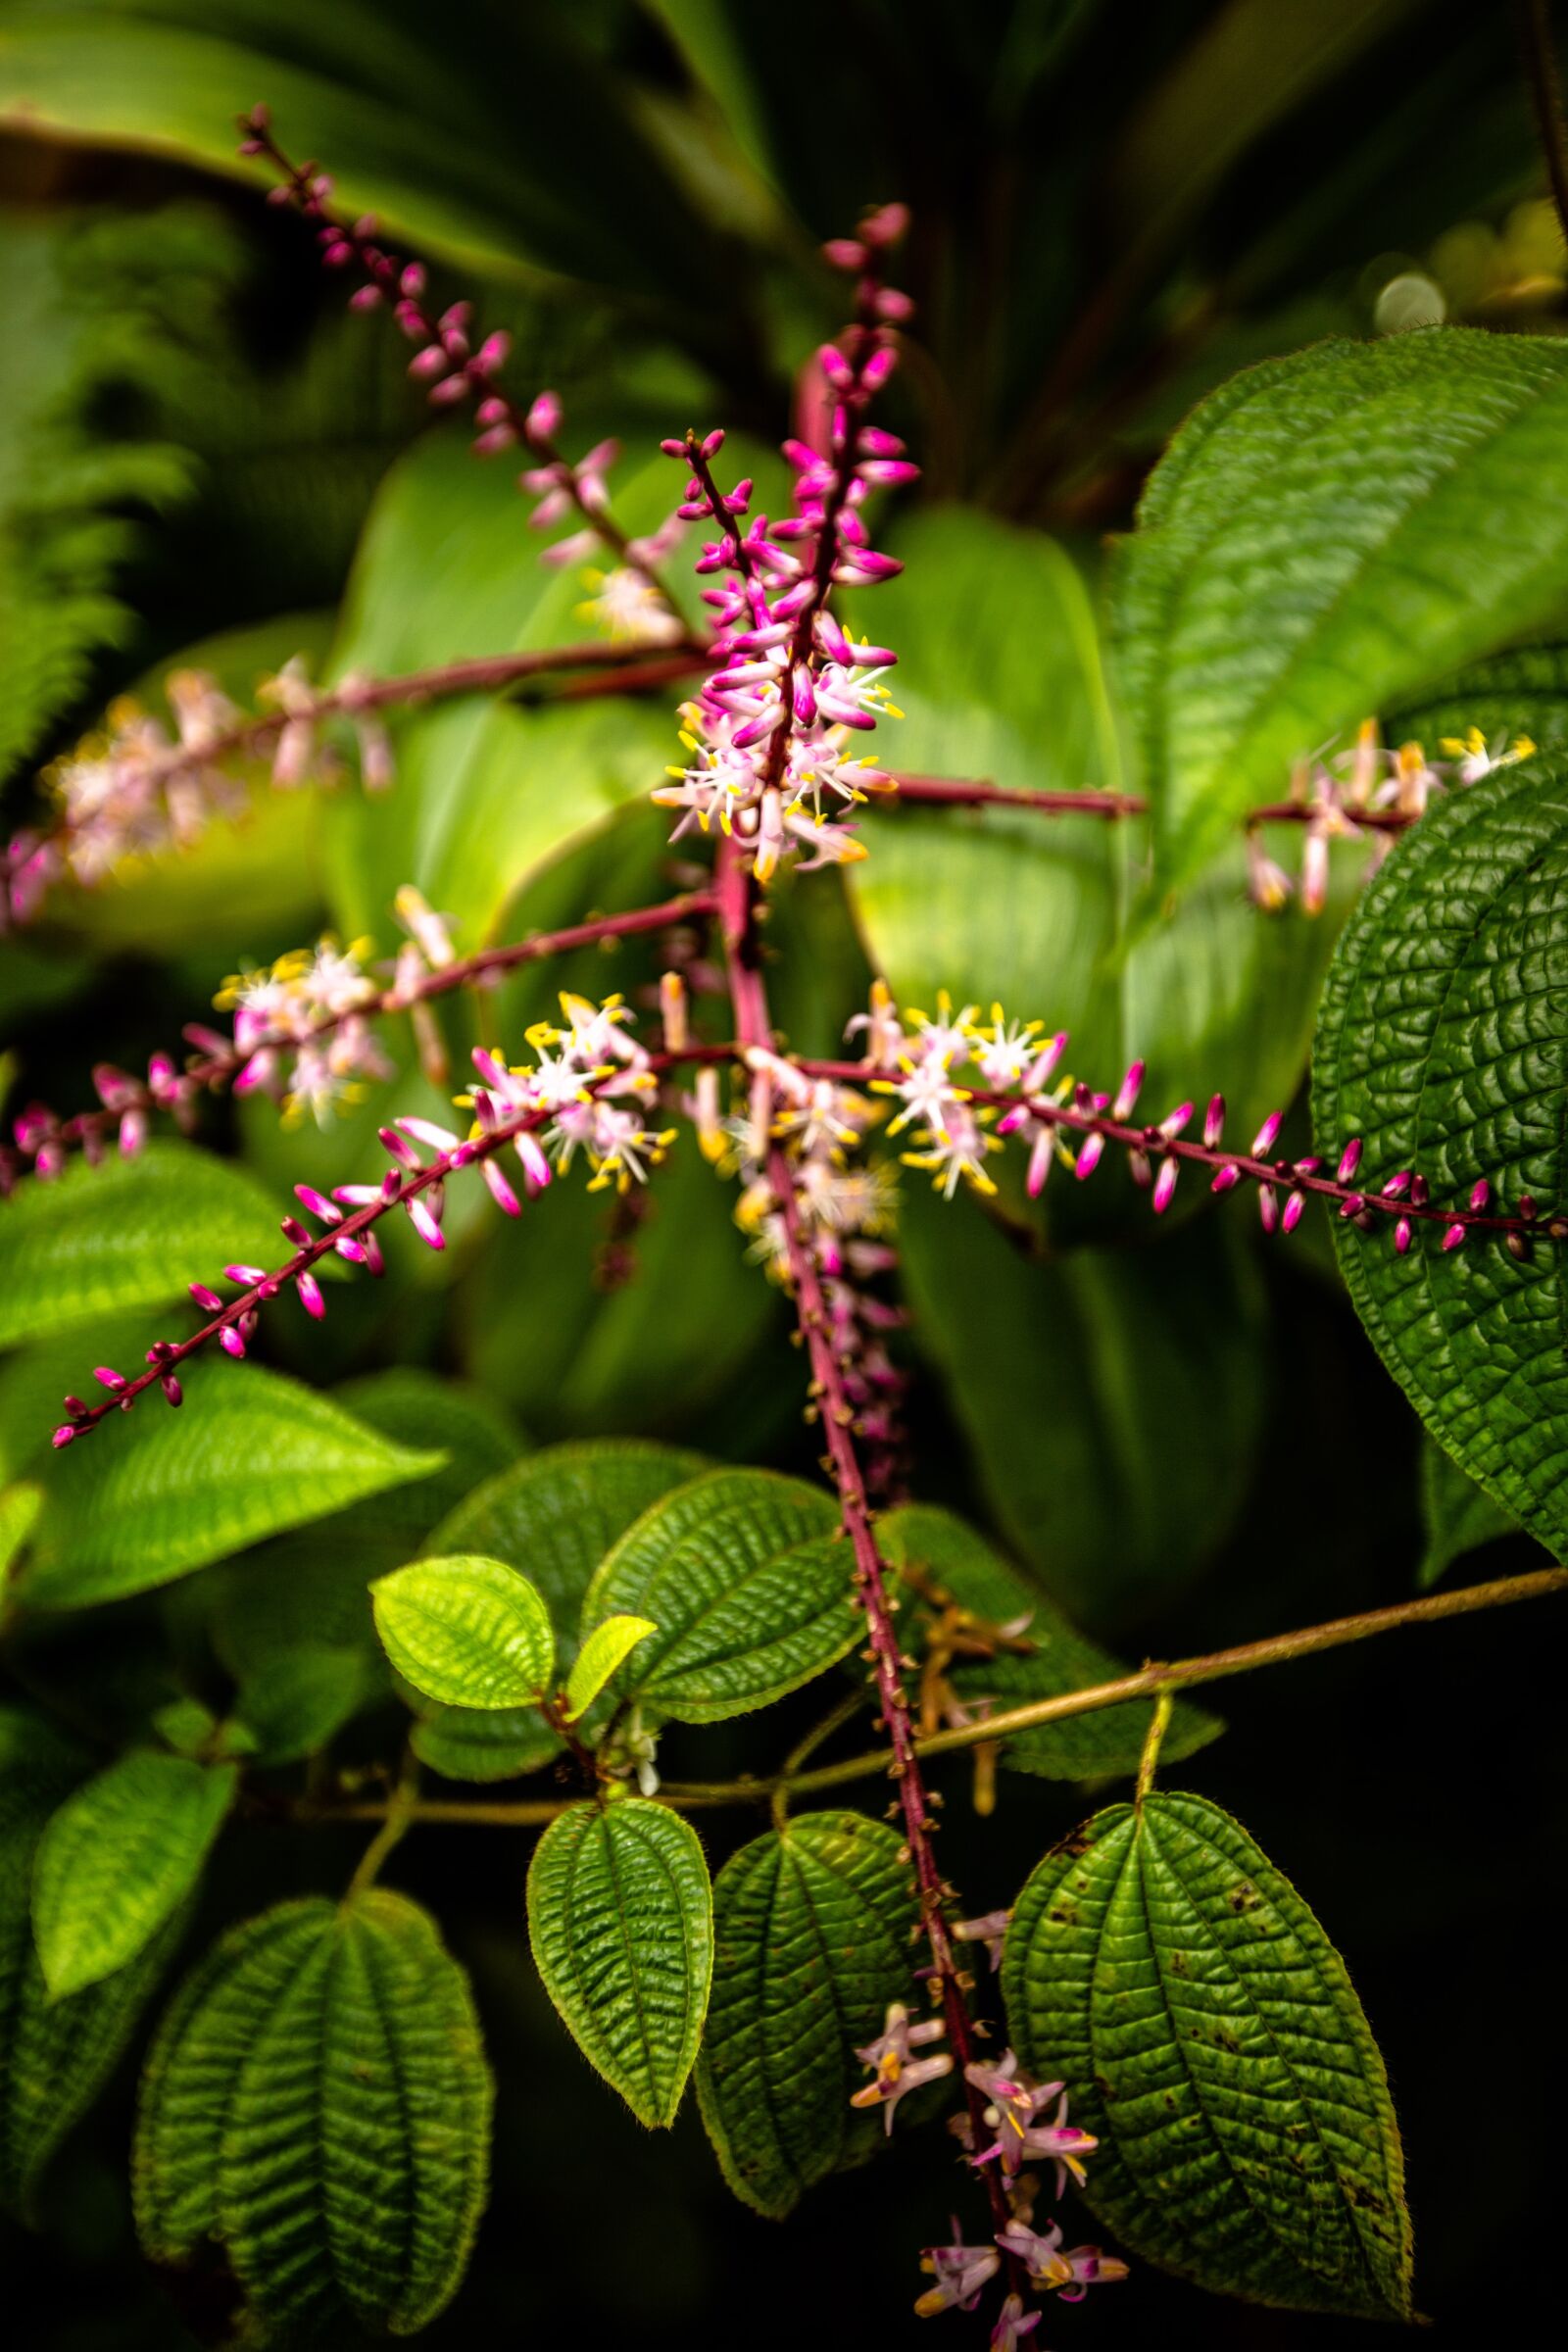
x=507 y=111
x=944 y=1562
x=55 y=2055
x=466 y=1631
x=1329 y=532
x=249 y=1452
x=118 y=1858
x=747 y=1582
x=812 y=1932
x=621 y=1918
x=557 y=1514
x=1443 y=1043
x=318 y=2100
x=1210 y=2038
x=129 y=1233
x=1112 y=1399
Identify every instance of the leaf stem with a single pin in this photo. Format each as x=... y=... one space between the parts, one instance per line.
x=1158 y=1725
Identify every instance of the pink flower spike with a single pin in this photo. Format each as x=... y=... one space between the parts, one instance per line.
x=1402 y=1236
x=317 y=1203
x=1452 y=1236
x=424 y=1225
x=1267 y=1135
x=1349 y=1161
x=229 y=1341
x=206 y=1299
x=110 y=1379
x=309 y=1295
x=501 y=1191
x=247 y=1276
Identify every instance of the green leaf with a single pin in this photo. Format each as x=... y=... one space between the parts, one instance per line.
x=1329 y=532
x=468 y=1631
x=475 y=1743
x=621 y=1918
x=555 y=1515
x=1458 y=1517
x=812 y=1928
x=119 y=1859
x=1443 y=1042
x=606 y=1647
x=943 y=1561
x=293 y=1703
x=1524 y=692
x=1210 y=2038
x=1112 y=1399
x=249 y=1453
x=318 y=2100
x=55 y=2055
x=748 y=1584
x=19 y=1506
x=129 y=1233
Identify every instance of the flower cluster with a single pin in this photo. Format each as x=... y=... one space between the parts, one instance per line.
x=772 y=736
x=301 y=1027
x=594 y=1081
x=1368 y=792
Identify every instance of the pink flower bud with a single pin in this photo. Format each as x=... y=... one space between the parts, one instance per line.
x=1402 y=1236
x=112 y=1380
x=1090 y=1153
x=229 y=1341
x=1267 y=1136
x=1349 y=1161
x=1295 y=1203
x=544 y=417
x=309 y=1295
x=206 y=1299
x=1452 y=1236
x=1165 y=1183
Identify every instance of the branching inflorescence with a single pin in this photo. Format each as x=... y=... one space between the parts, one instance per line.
x=773 y=771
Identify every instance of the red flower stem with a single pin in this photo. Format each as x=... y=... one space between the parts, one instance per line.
x=963 y=792
x=385 y=272
x=211 y=1071
x=748 y=996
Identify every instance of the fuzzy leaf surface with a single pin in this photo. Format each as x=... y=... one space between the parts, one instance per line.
x=748 y=1586
x=621 y=1918
x=811 y=1931
x=318 y=2100
x=1210 y=2036
x=118 y=1858
x=1444 y=1043
x=468 y=1631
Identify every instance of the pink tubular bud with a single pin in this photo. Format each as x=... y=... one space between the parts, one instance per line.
x=1352 y=1205
x=1268 y=1208
x=1166 y=1185
x=229 y=1341
x=317 y=1203
x=1011 y=1120
x=845 y=253
x=173 y=1394
x=1227 y=1178
x=1397 y=1186
x=543 y=421
x=63 y=1436
x=207 y=1298
x=112 y=1380
x=1127 y=1096
x=1349 y=1161
x=836 y=368
x=411 y=286
x=880 y=367
x=492 y=352
x=347 y=1246
x=1041 y=1156
x=1295 y=1203
x=501 y=1191
x=404 y=1152
x=424 y=1225
x=885 y=225
x=366 y=298
x=1089 y=1156
x=894 y=304
x=248 y=1276
x=713 y=442
x=1453 y=1236
x=1403 y=1235
x=428 y=364
x=309 y=1295
x=1480 y=1195
x=1214 y=1121
x=1265 y=1140
x=1420 y=1191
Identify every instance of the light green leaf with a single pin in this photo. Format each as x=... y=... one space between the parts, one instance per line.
x=477 y=1743
x=129 y=1233
x=748 y=1585
x=812 y=1928
x=19 y=1506
x=1211 y=2040
x=1328 y=532
x=943 y=1561
x=1443 y=1042
x=465 y=1629
x=317 y=2100
x=249 y=1452
x=608 y=1647
x=555 y=1515
x=1112 y=1399
x=55 y=2055
x=1458 y=1517
x=621 y=1918
x=118 y=1860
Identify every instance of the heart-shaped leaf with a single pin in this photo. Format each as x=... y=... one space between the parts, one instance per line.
x=468 y=1631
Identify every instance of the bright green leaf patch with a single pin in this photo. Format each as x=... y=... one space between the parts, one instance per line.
x=118 y=1860
x=468 y=1631
x=1210 y=2038
x=1328 y=532
x=129 y=1233
x=1443 y=1041
x=249 y=1453
x=944 y=1562
x=621 y=1918
x=606 y=1647
x=812 y=1931
x=748 y=1585
x=317 y=2100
